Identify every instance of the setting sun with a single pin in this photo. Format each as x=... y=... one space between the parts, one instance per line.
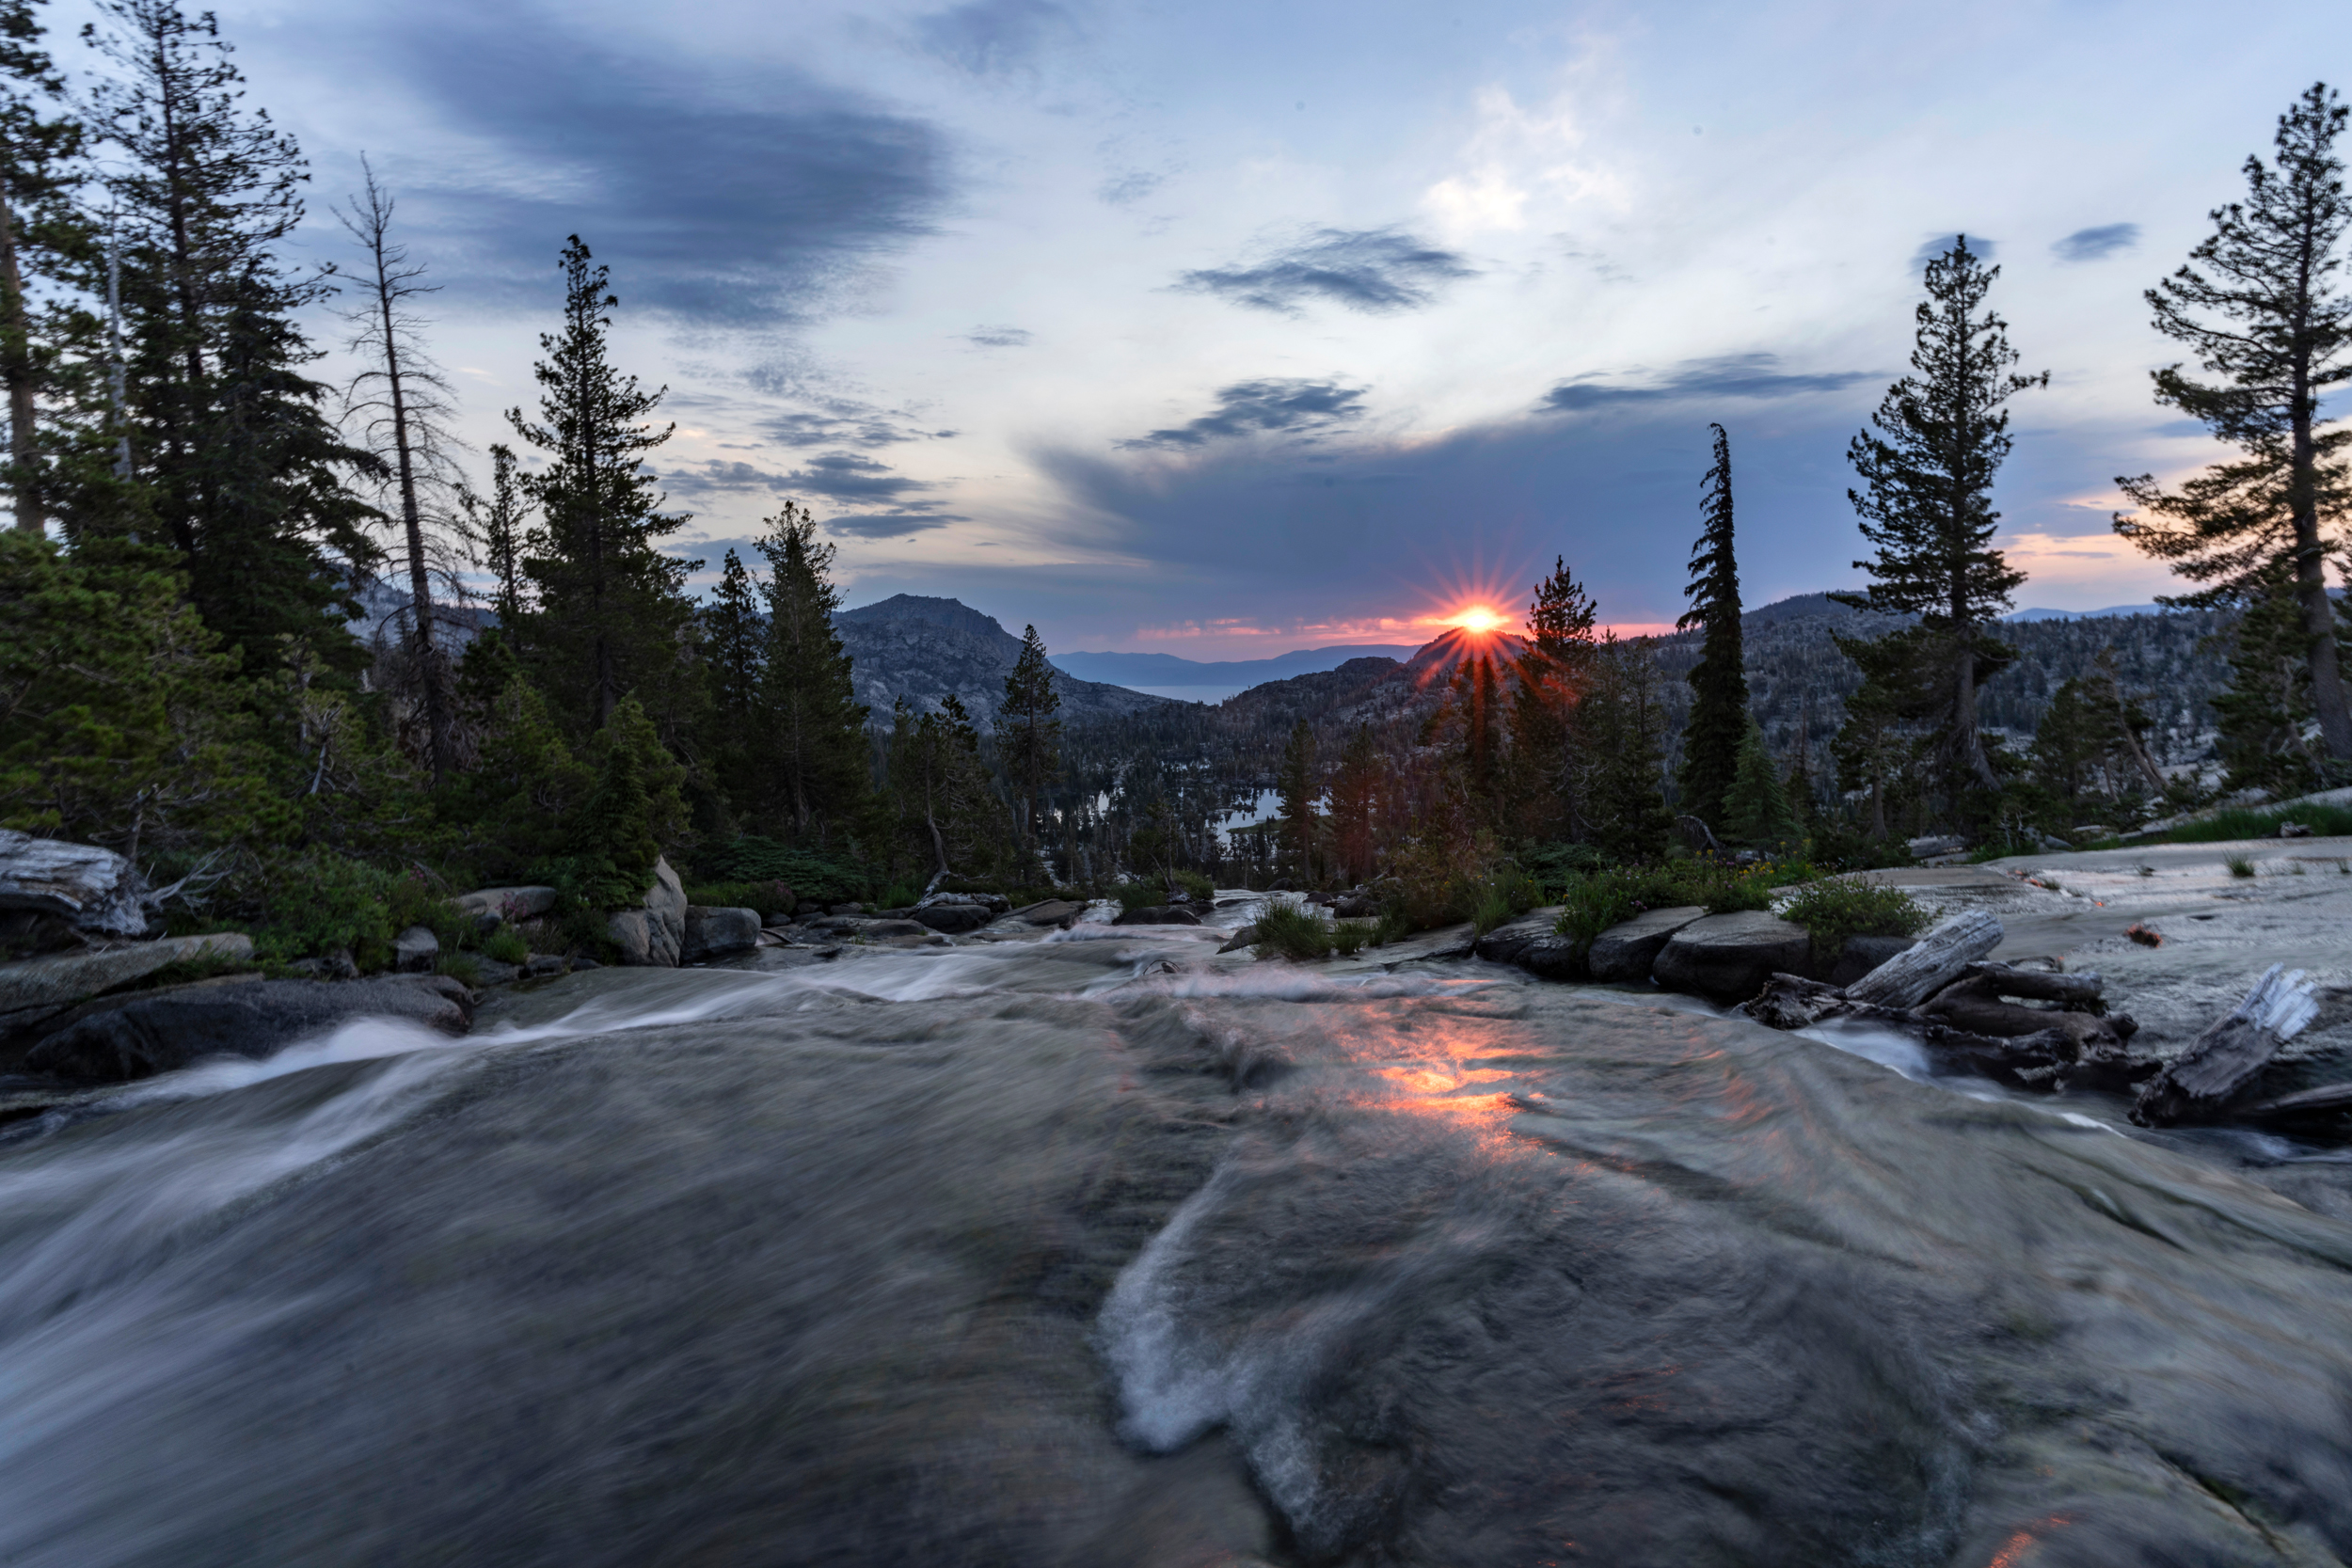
x=1479 y=619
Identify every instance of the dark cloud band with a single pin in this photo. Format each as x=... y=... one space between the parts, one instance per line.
x=1736 y=376
x=1251 y=407
x=1376 y=270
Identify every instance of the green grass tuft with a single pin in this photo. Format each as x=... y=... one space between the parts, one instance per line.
x=2239 y=865
x=507 y=945
x=1836 y=908
x=2261 y=822
x=1286 y=930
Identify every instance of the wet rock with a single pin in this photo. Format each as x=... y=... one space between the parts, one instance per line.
x=1157 y=914
x=1245 y=936
x=994 y=903
x=1861 y=954
x=650 y=938
x=416 y=950
x=65 y=979
x=1626 y=953
x=886 y=930
x=493 y=907
x=1063 y=912
x=143 y=1034
x=337 y=965
x=1928 y=849
x=1531 y=943
x=1729 y=956
x=955 y=919
x=94 y=890
x=714 y=930
x=1355 y=906
x=539 y=966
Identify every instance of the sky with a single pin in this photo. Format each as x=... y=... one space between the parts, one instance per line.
x=1220 y=329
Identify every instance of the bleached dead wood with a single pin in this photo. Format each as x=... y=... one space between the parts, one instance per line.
x=2226 y=1057
x=1941 y=956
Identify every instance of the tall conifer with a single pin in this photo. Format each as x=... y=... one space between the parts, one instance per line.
x=37 y=173
x=811 y=728
x=611 y=605
x=1927 y=497
x=2261 y=305
x=1719 y=682
x=1028 y=736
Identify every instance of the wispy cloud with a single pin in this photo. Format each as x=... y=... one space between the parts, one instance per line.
x=1371 y=270
x=1248 y=407
x=993 y=38
x=1735 y=375
x=1936 y=245
x=998 y=337
x=2094 y=244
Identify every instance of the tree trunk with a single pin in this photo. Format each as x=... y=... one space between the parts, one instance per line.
x=2311 y=574
x=424 y=649
x=16 y=367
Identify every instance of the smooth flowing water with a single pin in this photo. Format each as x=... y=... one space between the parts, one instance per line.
x=1098 y=1250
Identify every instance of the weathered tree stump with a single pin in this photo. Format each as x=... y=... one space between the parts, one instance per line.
x=1941 y=956
x=2197 y=1084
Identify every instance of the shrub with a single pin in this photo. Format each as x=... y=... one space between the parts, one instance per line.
x=303 y=906
x=1202 y=890
x=465 y=968
x=2324 y=821
x=1292 y=932
x=771 y=898
x=1349 y=936
x=818 y=879
x=1138 y=895
x=2239 y=865
x=507 y=945
x=1491 y=910
x=1836 y=908
x=1594 y=902
x=1392 y=925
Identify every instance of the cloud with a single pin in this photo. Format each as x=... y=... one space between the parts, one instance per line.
x=2096 y=244
x=1125 y=190
x=716 y=200
x=1936 y=245
x=891 y=525
x=1247 y=406
x=1734 y=375
x=1371 y=270
x=843 y=424
x=717 y=477
x=998 y=337
x=993 y=38
x=846 y=476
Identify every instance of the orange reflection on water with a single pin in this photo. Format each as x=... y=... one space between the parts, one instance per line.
x=2012 y=1552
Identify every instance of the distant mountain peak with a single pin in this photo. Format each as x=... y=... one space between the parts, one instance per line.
x=952 y=613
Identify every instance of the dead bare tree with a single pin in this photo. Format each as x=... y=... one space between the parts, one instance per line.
x=401 y=403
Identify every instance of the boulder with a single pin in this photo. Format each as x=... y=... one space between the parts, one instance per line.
x=651 y=937
x=416 y=950
x=146 y=1033
x=1245 y=936
x=492 y=907
x=1729 y=956
x=1355 y=906
x=94 y=890
x=886 y=930
x=1506 y=942
x=1862 y=954
x=955 y=919
x=1063 y=912
x=994 y=903
x=65 y=979
x=1626 y=953
x=712 y=931
x=1157 y=914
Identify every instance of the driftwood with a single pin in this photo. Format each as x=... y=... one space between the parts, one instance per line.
x=2324 y=1103
x=2201 y=1079
x=2080 y=991
x=1915 y=973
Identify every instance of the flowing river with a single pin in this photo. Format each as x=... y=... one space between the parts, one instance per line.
x=1098 y=1250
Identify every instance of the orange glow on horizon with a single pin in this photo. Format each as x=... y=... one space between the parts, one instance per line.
x=1479 y=619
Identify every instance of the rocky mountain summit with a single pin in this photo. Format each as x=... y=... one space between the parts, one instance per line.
x=926 y=649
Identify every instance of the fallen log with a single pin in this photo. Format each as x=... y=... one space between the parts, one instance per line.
x=2225 y=1058
x=2322 y=1103
x=2073 y=990
x=1975 y=1003
x=1941 y=956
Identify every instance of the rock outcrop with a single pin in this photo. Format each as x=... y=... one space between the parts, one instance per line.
x=1063 y=912
x=62 y=979
x=416 y=950
x=120 y=1038
x=714 y=930
x=652 y=937
x=1157 y=914
x=1531 y=943
x=492 y=907
x=1626 y=953
x=1729 y=956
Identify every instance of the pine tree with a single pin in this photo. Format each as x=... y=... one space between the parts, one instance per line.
x=1297 y=785
x=1028 y=735
x=1621 y=730
x=2265 y=714
x=2259 y=305
x=1878 y=743
x=812 y=728
x=611 y=612
x=1756 y=808
x=1555 y=670
x=732 y=637
x=37 y=176
x=1355 y=803
x=402 y=402
x=940 y=791
x=1718 y=721
x=498 y=526
x=1926 y=501
x=231 y=449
